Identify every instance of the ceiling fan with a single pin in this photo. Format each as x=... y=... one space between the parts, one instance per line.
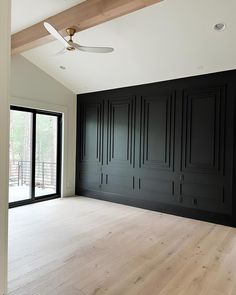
x=70 y=45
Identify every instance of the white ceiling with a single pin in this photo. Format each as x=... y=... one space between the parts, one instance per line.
x=172 y=39
x=26 y=13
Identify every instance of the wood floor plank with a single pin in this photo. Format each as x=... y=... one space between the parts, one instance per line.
x=82 y=246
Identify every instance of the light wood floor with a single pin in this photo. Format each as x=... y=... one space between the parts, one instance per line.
x=83 y=246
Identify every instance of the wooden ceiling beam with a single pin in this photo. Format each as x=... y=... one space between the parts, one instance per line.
x=83 y=16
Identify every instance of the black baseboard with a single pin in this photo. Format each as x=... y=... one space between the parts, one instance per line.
x=160 y=207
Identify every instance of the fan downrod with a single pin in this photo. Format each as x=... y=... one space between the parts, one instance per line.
x=70 y=32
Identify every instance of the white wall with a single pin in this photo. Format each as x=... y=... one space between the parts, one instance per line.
x=4 y=136
x=168 y=40
x=31 y=87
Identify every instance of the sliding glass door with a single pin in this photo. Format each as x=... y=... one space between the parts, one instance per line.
x=46 y=155
x=20 y=156
x=35 y=155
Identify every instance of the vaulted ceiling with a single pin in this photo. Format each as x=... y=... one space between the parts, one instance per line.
x=172 y=39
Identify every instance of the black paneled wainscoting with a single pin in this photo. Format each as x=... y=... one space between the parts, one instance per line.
x=166 y=146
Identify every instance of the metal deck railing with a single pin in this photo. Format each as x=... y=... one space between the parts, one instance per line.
x=20 y=174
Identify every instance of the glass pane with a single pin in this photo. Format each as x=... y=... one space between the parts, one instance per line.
x=20 y=156
x=46 y=155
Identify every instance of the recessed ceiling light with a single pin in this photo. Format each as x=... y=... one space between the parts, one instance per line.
x=62 y=68
x=219 y=27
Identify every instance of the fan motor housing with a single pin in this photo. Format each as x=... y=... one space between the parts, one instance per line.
x=71 y=31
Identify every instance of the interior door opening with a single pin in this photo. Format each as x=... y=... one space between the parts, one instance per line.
x=35 y=156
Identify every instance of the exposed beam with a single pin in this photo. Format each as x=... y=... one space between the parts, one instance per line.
x=84 y=15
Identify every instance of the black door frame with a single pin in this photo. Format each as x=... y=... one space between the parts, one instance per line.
x=34 y=199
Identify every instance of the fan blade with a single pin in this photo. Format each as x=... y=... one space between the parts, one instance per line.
x=93 y=49
x=55 y=33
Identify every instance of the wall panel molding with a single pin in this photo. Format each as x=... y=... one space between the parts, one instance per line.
x=169 y=144
x=120 y=131
x=204 y=128
x=91 y=139
x=157 y=131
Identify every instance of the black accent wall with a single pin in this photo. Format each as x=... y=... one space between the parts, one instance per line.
x=166 y=146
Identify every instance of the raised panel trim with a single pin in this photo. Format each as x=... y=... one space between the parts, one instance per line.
x=84 y=107
x=216 y=166
x=168 y=163
x=121 y=102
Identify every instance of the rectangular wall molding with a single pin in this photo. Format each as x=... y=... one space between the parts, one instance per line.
x=165 y=146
